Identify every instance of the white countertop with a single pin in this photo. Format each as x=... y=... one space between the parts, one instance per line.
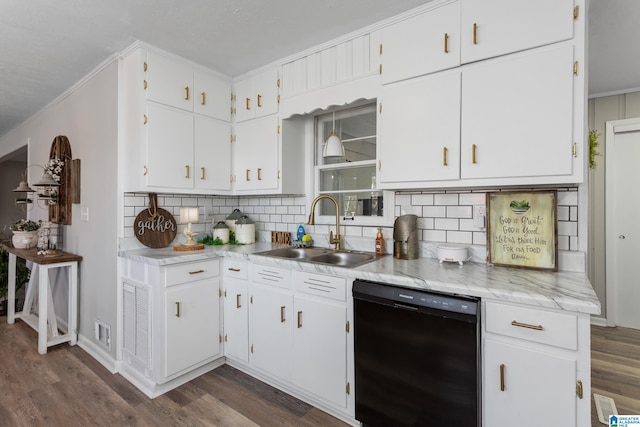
x=561 y=290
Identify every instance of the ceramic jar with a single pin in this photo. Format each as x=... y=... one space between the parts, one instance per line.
x=221 y=231
x=245 y=231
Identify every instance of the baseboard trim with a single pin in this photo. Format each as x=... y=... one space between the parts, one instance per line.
x=598 y=321
x=104 y=358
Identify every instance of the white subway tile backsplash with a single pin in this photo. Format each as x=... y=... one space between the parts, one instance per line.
x=422 y=199
x=459 y=211
x=446 y=224
x=443 y=216
x=445 y=199
x=460 y=237
x=434 y=211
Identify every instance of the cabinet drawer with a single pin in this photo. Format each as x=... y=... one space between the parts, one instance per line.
x=546 y=327
x=270 y=275
x=188 y=272
x=321 y=285
x=236 y=268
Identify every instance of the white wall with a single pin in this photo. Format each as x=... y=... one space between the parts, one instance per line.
x=602 y=110
x=87 y=115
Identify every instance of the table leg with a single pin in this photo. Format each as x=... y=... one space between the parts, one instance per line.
x=73 y=304
x=42 y=308
x=11 y=294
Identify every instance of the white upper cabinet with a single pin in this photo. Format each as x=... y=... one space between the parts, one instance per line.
x=168 y=147
x=257 y=96
x=168 y=82
x=419 y=130
x=517 y=116
x=212 y=154
x=212 y=96
x=174 y=83
x=421 y=44
x=496 y=27
x=255 y=154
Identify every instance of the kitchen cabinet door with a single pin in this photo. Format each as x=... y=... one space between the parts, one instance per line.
x=257 y=96
x=256 y=154
x=236 y=319
x=496 y=27
x=212 y=148
x=192 y=328
x=320 y=348
x=212 y=96
x=517 y=116
x=169 y=82
x=169 y=147
x=271 y=323
x=421 y=44
x=419 y=130
x=517 y=377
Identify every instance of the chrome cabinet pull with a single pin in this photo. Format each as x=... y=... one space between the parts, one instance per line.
x=527 y=325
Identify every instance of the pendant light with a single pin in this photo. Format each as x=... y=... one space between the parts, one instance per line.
x=333 y=147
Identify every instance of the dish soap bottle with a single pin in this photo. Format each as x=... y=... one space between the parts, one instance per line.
x=379 y=243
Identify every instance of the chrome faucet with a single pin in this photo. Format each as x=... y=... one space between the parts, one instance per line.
x=332 y=240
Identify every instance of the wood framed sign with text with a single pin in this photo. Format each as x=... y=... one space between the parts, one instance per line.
x=522 y=229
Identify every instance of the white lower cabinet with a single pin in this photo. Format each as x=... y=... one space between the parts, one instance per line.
x=192 y=328
x=171 y=323
x=298 y=332
x=236 y=310
x=536 y=367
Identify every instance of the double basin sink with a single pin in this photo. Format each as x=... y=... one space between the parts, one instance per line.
x=340 y=258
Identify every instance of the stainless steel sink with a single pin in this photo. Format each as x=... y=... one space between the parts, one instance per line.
x=291 y=252
x=344 y=259
x=322 y=256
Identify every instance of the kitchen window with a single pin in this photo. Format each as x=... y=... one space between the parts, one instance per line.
x=351 y=179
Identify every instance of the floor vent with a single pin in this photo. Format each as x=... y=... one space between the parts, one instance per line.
x=605 y=407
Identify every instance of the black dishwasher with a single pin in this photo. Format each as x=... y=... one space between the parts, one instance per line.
x=417 y=359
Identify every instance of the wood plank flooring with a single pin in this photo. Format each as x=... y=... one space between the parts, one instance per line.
x=615 y=368
x=67 y=387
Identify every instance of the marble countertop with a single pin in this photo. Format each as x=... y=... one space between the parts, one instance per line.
x=568 y=291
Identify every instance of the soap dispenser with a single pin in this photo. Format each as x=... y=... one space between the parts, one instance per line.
x=379 y=243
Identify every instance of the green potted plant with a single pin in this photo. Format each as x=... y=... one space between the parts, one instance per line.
x=22 y=276
x=25 y=233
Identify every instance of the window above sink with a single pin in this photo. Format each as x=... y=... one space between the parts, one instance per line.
x=350 y=179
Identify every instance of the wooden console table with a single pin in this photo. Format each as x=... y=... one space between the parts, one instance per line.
x=42 y=264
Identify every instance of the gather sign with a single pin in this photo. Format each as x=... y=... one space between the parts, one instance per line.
x=155 y=228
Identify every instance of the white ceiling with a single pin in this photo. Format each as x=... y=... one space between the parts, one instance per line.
x=46 y=46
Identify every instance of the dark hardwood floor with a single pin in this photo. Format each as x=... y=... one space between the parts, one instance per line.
x=67 y=387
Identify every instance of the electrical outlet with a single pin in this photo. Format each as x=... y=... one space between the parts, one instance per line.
x=479 y=216
x=84 y=214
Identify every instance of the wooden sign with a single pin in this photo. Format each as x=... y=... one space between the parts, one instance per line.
x=155 y=227
x=522 y=229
